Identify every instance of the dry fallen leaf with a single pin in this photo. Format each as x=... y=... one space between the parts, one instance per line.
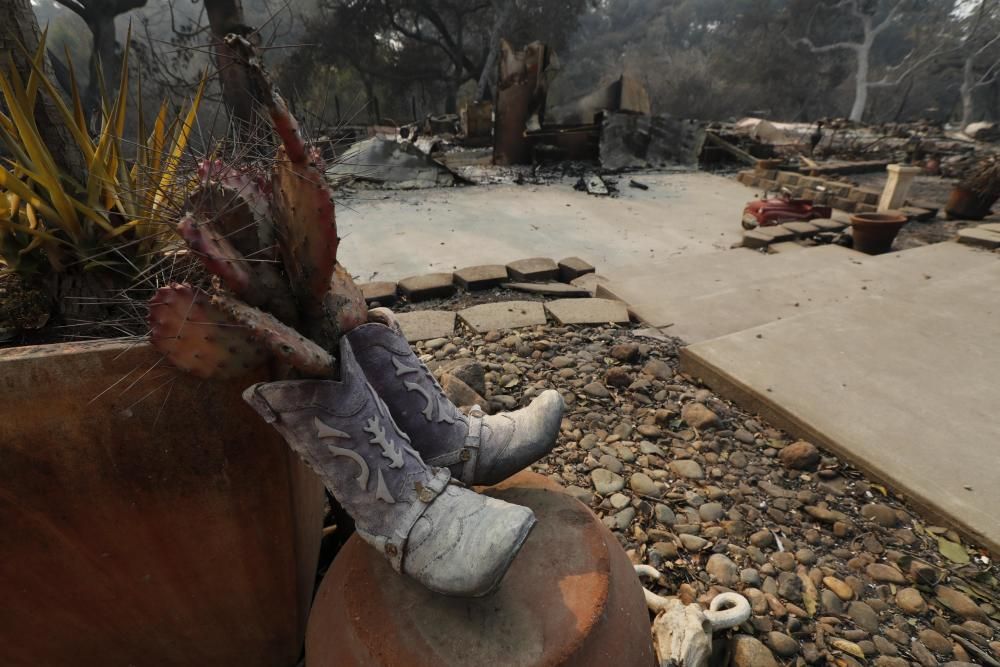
x=848 y=647
x=953 y=551
x=810 y=597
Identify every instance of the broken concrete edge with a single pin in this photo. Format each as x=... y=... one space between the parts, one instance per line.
x=478 y=277
x=605 y=290
x=982 y=236
x=747 y=398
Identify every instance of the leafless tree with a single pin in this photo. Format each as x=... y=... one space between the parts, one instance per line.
x=502 y=13
x=872 y=18
x=981 y=40
x=99 y=15
x=226 y=17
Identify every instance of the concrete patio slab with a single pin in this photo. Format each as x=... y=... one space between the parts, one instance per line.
x=426 y=324
x=480 y=277
x=533 y=268
x=788 y=284
x=904 y=386
x=382 y=292
x=389 y=235
x=503 y=315
x=587 y=311
x=427 y=286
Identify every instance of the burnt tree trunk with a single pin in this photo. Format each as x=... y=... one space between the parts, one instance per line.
x=105 y=65
x=19 y=26
x=99 y=15
x=225 y=17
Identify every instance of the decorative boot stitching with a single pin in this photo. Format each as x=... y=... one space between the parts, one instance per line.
x=378 y=437
x=324 y=431
x=432 y=398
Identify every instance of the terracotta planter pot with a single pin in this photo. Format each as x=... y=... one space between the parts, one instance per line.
x=964 y=204
x=146 y=517
x=571 y=598
x=874 y=232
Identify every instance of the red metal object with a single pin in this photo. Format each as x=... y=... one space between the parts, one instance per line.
x=784 y=208
x=172 y=531
x=570 y=598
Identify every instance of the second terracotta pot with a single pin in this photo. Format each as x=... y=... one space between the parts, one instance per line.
x=964 y=204
x=875 y=232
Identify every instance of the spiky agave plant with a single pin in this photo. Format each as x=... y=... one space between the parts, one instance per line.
x=270 y=240
x=79 y=242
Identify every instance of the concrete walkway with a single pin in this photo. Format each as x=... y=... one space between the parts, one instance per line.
x=904 y=385
x=388 y=235
x=703 y=298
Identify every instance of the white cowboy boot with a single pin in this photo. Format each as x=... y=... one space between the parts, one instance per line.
x=479 y=449
x=450 y=539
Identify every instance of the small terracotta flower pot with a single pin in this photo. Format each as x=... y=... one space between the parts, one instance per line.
x=875 y=232
x=964 y=204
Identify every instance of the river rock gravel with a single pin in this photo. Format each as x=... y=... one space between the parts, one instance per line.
x=838 y=570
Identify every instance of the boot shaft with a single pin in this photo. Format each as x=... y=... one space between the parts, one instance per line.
x=415 y=399
x=478 y=448
x=344 y=432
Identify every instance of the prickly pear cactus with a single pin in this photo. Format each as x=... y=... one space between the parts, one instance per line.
x=216 y=252
x=198 y=338
x=304 y=222
x=270 y=237
x=284 y=342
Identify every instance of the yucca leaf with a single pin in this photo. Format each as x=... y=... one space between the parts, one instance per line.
x=33 y=224
x=159 y=138
x=140 y=139
x=94 y=215
x=121 y=102
x=127 y=195
x=14 y=146
x=79 y=131
x=46 y=171
x=25 y=229
x=14 y=185
x=172 y=162
x=6 y=124
x=37 y=66
x=78 y=116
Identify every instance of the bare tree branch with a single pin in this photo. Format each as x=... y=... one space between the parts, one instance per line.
x=989 y=76
x=889 y=18
x=886 y=81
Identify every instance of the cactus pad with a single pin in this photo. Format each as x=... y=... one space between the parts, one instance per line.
x=258 y=282
x=215 y=252
x=240 y=199
x=345 y=301
x=285 y=343
x=305 y=226
x=198 y=338
x=301 y=199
